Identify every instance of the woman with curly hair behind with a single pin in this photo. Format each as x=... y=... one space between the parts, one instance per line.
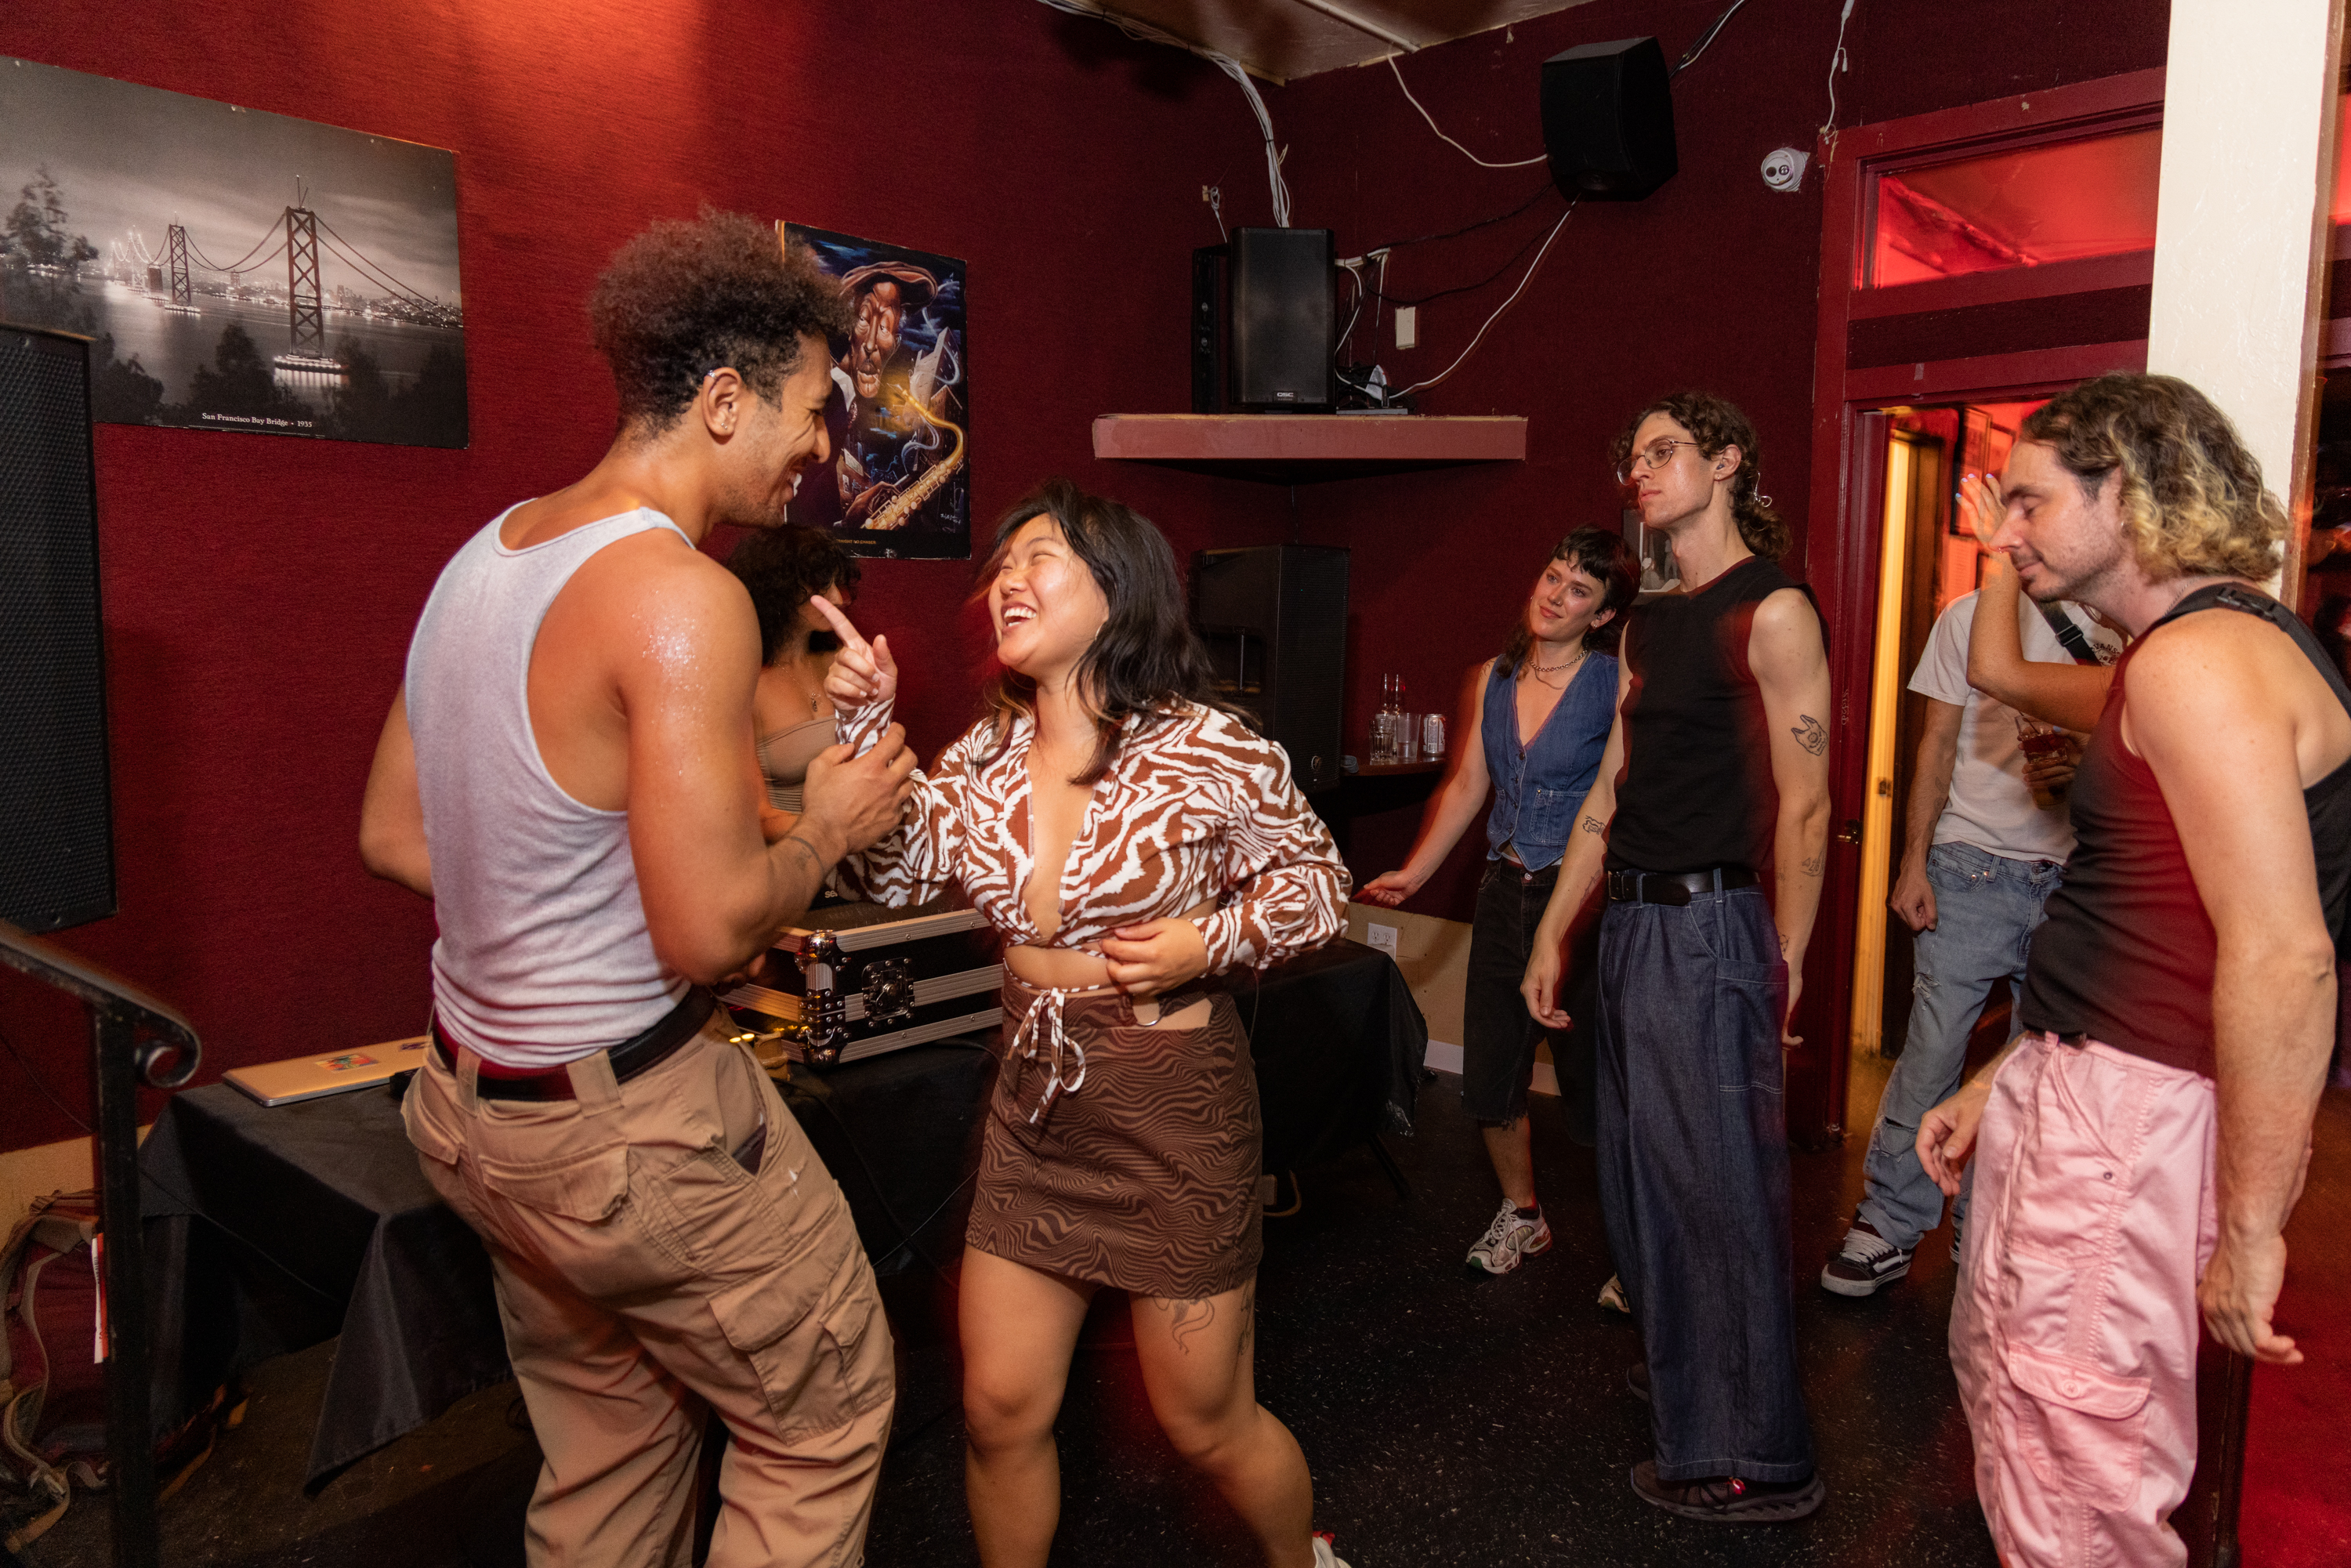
x=785 y=568
x=1130 y=837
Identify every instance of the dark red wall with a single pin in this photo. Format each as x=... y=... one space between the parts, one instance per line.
x=1710 y=282
x=259 y=591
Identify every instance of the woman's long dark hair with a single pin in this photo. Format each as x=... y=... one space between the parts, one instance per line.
x=1603 y=556
x=1146 y=660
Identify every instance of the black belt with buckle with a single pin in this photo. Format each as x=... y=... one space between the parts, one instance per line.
x=1676 y=887
x=639 y=1053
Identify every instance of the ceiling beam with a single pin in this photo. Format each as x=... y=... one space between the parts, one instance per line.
x=1362 y=23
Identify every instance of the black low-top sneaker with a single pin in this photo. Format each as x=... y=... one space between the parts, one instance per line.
x=1864 y=1263
x=1726 y=1499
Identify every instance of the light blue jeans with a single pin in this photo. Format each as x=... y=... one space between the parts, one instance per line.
x=1986 y=907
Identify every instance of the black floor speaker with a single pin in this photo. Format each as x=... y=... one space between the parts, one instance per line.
x=1275 y=622
x=1281 y=299
x=1608 y=120
x=57 y=830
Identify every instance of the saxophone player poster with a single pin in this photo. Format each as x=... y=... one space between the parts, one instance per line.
x=898 y=481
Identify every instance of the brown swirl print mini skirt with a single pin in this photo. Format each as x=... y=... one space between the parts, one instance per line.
x=1137 y=1169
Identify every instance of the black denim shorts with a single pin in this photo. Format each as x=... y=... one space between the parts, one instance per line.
x=1499 y=1036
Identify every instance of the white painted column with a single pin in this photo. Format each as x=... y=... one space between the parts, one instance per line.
x=2242 y=232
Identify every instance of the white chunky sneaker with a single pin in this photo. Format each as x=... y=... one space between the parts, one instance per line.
x=1324 y=1556
x=1509 y=1239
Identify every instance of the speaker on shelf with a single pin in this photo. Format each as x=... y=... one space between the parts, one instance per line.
x=1281 y=317
x=57 y=830
x=1608 y=120
x=1274 y=618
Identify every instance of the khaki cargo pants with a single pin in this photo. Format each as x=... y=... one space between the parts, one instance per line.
x=643 y=1276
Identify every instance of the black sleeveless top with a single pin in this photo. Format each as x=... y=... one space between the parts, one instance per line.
x=2127 y=954
x=1696 y=789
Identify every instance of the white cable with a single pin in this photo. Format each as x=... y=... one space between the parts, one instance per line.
x=1481 y=162
x=1838 y=61
x=1144 y=32
x=1497 y=316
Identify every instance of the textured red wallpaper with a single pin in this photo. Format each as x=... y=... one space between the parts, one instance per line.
x=260 y=591
x=1710 y=282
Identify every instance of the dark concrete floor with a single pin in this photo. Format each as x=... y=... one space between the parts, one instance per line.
x=1449 y=1420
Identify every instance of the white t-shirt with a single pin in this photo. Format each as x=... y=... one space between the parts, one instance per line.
x=1991 y=806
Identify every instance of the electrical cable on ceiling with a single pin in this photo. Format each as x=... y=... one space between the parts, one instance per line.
x=1532 y=268
x=1144 y=32
x=1838 y=61
x=1481 y=162
x=1689 y=57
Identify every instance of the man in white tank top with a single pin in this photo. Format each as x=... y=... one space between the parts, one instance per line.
x=569 y=773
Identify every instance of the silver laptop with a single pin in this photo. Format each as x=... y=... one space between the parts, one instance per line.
x=309 y=1077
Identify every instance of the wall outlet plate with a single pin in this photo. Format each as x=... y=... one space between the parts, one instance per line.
x=1407 y=326
x=1382 y=937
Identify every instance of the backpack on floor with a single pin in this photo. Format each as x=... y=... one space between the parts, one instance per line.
x=52 y=1387
x=52 y=1382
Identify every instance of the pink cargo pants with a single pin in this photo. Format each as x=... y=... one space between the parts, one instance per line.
x=2074 y=1329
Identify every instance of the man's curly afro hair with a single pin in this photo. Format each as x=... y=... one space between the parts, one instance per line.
x=682 y=299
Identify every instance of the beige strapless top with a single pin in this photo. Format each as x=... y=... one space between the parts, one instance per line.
x=784 y=758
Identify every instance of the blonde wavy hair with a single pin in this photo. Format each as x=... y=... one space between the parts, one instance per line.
x=2192 y=503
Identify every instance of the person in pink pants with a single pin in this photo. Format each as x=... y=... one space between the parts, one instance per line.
x=2143 y=1141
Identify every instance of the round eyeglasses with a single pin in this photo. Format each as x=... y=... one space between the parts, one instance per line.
x=1652 y=456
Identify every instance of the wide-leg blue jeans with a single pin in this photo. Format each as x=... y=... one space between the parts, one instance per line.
x=1694 y=1178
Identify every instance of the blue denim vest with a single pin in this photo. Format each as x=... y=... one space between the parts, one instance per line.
x=1536 y=791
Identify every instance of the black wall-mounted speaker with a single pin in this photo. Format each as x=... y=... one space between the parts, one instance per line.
x=1608 y=120
x=1274 y=618
x=57 y=820
x=1282 y=325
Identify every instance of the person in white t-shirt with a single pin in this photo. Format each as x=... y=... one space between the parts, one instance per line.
x=1985 y=842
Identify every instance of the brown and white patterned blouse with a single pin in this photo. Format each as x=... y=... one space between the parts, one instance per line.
x=1196 y=806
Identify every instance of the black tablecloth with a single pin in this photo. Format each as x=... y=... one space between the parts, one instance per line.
x=271 y=1228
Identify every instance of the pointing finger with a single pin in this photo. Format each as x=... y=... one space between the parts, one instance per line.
x=840 y=624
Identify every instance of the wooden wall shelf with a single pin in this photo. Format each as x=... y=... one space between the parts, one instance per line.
x=1303 y=448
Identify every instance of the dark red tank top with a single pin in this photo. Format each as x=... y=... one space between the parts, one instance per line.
x=2127 y=954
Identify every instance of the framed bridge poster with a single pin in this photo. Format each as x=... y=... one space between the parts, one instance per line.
x=239 y=271
x=898 y=481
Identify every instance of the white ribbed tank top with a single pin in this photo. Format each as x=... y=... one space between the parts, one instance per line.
x=544 y=955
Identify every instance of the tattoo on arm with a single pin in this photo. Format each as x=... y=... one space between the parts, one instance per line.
x=806 y=850
x=1813 y=866
x=1248 y=1312
x=1810 y=735
x=1592 y=824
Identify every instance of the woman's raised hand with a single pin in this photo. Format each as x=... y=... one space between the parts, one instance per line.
x=863 y=673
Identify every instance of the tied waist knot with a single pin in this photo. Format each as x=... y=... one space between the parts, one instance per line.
x=1041 y=1027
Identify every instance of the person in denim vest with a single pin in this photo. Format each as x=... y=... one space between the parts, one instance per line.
x=1534 y=721
x=1986 y=841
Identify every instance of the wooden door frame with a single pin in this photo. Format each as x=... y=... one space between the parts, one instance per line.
x=1841 y=558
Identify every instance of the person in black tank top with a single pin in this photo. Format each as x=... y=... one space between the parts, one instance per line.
x=2140 y=1145
x=1713 y=788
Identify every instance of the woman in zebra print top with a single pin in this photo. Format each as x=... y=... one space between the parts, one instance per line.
x=1129 y=836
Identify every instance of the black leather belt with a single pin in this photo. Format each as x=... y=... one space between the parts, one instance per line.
x=640 y=1054
x=1676 y=887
